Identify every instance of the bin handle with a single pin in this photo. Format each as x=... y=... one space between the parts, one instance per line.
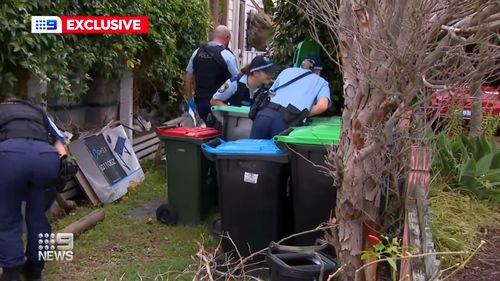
x=287 y=131
x=208 y=148
x=297 y=249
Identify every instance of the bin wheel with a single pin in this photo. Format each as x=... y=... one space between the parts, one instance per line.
x=215 y=226
x=166 y=214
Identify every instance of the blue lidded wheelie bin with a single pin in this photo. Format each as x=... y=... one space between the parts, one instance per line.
x=253 y=197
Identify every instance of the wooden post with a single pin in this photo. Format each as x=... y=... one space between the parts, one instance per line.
x=417 y=236
x=84 y=223
x=214 y=10
x=127 y=101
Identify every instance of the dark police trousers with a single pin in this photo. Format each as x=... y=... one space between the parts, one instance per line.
x=267 y=124
x=203 y=107
x=27 y=168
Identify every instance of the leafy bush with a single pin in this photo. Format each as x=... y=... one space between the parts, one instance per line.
x=491 y=125
x=472 y=164
x=175 y=28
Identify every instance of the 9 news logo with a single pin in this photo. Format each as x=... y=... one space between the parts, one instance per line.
x=55 y=247
x=46 y=24
x=89 y=24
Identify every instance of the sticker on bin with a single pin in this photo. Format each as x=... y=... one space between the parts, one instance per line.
x=251 y=178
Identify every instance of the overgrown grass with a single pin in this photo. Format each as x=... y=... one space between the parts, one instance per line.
x=456 y=219
x=126 y=248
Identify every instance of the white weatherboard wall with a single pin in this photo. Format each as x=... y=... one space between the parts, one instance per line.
x=233 y=22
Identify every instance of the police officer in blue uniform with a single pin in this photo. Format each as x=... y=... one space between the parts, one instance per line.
x=209 y=67
x=240 y=90
x=296 y=94
x=30 y=151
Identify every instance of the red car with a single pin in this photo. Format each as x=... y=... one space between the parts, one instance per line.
x=441 y=100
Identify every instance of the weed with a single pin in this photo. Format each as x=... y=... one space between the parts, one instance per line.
x=456 y=219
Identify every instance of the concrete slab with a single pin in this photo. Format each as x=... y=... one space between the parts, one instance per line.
x=147 y=210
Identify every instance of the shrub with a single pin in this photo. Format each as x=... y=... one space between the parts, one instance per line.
x=175 y=28
x=472 y=164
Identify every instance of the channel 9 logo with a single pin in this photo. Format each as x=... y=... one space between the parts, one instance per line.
x=46 y=24
x=55 y=247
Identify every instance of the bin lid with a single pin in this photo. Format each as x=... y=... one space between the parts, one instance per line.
x=234 y=109
x=321 y=134
x=189 y=132
x=245 y=147
x=220 y=111
x=326 y=120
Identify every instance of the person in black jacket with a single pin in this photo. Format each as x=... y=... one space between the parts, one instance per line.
x=30 y=151
x=209 y=67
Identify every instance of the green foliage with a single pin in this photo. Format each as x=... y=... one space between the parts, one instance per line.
x=268 y=6
x=455 y=120
x=456 y=219
x=291 y=26
x=387 y=248
x=491 y=124
x=470 y=163
x=176 y=27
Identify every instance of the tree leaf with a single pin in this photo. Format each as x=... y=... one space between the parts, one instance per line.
x=392 y=263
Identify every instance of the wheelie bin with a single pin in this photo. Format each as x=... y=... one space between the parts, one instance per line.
x=235 y=121
x=334 y=120
x=313 y=193
x=191 y=179
x=299 y=265
x=253 y=199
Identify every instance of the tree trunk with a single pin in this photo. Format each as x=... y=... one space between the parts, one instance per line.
x=387 y=49
x=358 y=201
x=476 y=119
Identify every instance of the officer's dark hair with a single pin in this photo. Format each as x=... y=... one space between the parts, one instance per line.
x=307 y=64
x=246 y=70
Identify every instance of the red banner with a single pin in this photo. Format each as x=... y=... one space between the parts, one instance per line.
x=104 y=24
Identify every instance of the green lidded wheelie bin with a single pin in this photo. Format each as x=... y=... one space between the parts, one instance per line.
x=235 y=121
x=303 y=49
x=191 y=179
x=313 y=193
x=334 y=120
x=253 y=198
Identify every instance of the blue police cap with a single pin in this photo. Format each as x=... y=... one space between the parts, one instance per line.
x=263 y=63
x=315 y=60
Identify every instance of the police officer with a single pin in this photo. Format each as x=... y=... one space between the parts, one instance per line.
x=296 y=94
x=30 y=151
x=240 y=90
x=209 y=67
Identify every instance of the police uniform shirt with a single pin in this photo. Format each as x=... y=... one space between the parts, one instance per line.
x=232 y=65
x=55 y=132
x=228 y=89
x=302 y=93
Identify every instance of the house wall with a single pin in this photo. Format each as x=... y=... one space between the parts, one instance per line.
x=233 y=22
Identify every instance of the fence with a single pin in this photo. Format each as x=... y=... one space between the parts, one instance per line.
x=246 y=56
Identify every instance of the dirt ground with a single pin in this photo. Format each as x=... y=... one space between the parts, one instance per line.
x=486 y=265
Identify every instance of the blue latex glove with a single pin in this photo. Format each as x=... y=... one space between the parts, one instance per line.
x=190 y=105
